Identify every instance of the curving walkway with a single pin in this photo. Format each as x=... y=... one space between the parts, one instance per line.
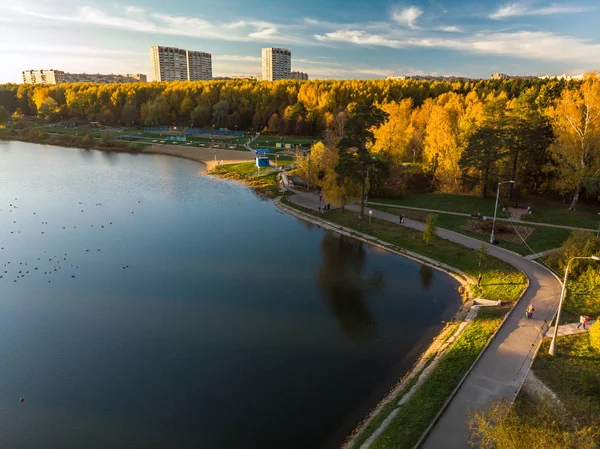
x=462 y=214
x=504 y=365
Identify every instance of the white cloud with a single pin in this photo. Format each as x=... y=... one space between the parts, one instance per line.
x=67 y=50
x=358 y=37
x=520 y=44
x=407 y=16
x=516 y=10
x=134 y=10
x=451 y=29
x=264 y=33
x=197 y=27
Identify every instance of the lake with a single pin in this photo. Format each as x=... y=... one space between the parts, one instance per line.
x=146 y=305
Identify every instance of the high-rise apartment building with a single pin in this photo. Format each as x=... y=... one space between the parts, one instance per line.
x=58 y=77
x=295 y=75
x=43 y=76
x=276 y=64
x=177 y=64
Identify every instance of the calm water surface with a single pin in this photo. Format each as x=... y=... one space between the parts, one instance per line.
x=143 y=305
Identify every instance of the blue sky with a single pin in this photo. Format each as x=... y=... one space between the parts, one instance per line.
x=328 y=39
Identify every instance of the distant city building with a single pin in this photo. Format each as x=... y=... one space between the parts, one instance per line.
x=246 y=77
x=428 y=78
x=43 y=76
x=199 y=66
x=138 y=76
x=504 y=76
x=276 y=64
x=579 y=76
x=58 y=77
x=295 y=75
x=177 y=64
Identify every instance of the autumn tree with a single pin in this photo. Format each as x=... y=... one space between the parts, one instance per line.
x=392 y=138
x=576 y=123
x=354 y=148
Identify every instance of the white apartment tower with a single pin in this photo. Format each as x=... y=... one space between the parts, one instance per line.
x=276 y=64
x=176 y=64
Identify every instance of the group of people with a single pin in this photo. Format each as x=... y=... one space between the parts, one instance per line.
x=327 y=206
x=583 y=319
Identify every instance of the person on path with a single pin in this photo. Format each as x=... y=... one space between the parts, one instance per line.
x=479 y=279
x=530 y=311
x=582 y=320
x=401 y=219
x=320 y=197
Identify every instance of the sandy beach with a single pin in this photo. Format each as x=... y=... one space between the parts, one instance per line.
x=204 y=155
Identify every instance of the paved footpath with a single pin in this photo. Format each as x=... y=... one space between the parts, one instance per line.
x=504 y=364
x=461 y=214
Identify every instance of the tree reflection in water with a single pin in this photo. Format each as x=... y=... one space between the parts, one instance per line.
x=426 y=275
x=346 y=286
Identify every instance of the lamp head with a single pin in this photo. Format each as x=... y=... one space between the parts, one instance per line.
x=596 y=258
x=512 y=182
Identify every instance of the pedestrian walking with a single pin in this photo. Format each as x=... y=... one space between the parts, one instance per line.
x=582 y=321
x=479 y=279
x=401 y=219
x=530 y=311
x=320 y=197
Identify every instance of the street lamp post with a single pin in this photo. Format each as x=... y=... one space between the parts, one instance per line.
x=552 y=350
x=492 y=239
x=598 y=233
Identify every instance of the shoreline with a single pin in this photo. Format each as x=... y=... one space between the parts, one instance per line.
x=206 y=157
x=438 y=344
x=202 y=155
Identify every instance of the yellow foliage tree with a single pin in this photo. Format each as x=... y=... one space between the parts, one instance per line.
x=394 y=136
x=576 y=123
x=441 y=148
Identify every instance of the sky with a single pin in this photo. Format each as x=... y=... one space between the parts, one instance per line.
x=328 y=39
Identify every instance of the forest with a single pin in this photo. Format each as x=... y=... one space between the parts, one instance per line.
x=450 y=137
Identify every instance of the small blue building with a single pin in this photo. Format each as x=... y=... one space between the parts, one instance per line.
x=262 y=158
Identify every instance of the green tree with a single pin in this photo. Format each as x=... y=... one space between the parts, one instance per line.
x=430 y=230
x=354 y=148
x=527 y=134
x=130 y=114
x=4 y=115
x=200 y=116
x=482 y=152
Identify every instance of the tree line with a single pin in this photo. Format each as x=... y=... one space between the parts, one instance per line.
x=466 y=144
x=462 y=136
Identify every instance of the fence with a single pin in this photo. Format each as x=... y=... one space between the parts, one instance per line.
x=190 y=132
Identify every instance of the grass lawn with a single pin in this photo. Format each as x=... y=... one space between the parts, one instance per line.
x=544 y=210
x=265 y=181
x=269 y=142
x=543 y=238
x=500 y=280
x=415 y=416
x=574 y=373
x=283 y=160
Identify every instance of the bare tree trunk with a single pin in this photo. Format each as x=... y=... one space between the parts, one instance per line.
x=575 y=198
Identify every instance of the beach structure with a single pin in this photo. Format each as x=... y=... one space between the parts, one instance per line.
x=262 y=158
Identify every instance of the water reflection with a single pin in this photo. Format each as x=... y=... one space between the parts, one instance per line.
x=346 y=286
x=426 y=275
